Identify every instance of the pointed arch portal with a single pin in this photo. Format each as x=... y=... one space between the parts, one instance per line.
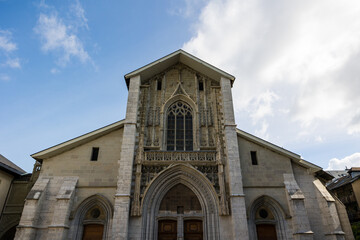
x=159 y=215
x=267 y=220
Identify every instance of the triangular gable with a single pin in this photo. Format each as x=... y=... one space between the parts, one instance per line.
x=65 y=146
x=293 y=156
x=181 y=56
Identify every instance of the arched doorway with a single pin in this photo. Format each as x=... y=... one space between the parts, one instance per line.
x=92 y=219
x=267 y=220
x=180 y=215
x=182 y=194
x=265 y=224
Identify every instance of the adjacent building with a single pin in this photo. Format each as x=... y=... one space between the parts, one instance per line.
x=347 y=189
x=15 y=184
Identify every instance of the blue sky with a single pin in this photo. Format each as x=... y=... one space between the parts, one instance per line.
x=297 y=67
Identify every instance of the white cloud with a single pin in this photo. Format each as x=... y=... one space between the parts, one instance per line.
x=262 y=132
x=61 y=38
x=300 y=56
x=6 y=43
x=262 y=105
x=7 y=49
x=78 y=11
x=54 y=71
x=4 y=77
x=346 y=162
x=13 y=63
x=319 y=139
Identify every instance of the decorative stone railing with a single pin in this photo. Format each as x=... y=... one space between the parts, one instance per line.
x=180 y=156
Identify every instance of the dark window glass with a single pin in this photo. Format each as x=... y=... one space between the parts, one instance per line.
x=158 y=85
x=254 y=160
x=179 y=128
x=94 y=154
x=201 y=86
x=263 y=213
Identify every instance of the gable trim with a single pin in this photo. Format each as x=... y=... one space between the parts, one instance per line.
x=293 y=156
x=72 y=143
x=179 y=56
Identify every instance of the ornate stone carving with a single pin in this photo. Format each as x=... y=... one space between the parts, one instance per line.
x=148 y=173
x=153 y=116
x=211 y=173
x=169 y=156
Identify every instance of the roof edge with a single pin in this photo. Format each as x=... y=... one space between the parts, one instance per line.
x=177 y=52
x=267 y=144
x=11 y=170
x=293 y=156
x=77 y=141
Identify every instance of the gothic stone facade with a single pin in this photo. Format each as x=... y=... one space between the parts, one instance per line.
x=178 y=168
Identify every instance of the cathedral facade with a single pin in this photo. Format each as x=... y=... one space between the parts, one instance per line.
x=178 y=168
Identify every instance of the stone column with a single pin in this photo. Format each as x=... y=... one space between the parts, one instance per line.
x=237 y=197
x=329 y=214
x=122 y=196
x=296 y=199
x=30 y=215
x=180 y=227
x=60 y=223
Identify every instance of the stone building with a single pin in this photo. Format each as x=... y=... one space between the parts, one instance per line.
x=347 y=189
x=178 y=168
x=15 y=184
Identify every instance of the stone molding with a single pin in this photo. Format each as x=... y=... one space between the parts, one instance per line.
x=190 y=177
x=280 y=218
x=79 y=213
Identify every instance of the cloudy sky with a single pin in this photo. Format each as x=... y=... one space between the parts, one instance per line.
x=296 y=63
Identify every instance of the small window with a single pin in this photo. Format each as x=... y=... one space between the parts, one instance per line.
x=158 y=85
x=201 y=86
x=254 y=160
x=94 y=154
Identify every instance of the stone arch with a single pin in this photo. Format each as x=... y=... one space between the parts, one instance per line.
x=195 y=113
x=196 y=182
x=278 y=217
x=83 y=208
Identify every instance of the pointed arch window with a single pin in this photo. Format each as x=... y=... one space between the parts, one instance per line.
x=179 y=127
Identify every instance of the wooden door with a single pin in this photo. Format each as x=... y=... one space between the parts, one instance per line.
x=167 y=230
x=193 y=230
x=93 y=232
x=266 y=232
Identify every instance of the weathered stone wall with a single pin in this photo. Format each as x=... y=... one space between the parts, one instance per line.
x=265 y=179
x=356 y=189
x=76 y=162
x=305 y=181
x=65 y=181
x=5 y=182
x=270 y=169
x=13 y=208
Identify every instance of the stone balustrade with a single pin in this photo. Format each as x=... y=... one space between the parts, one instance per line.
x=167 y=157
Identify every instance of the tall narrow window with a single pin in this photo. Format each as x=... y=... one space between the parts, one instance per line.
x=201 y=86
x=179 y=127
x=254 y=160
x=94 y=154
x=158 y=85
